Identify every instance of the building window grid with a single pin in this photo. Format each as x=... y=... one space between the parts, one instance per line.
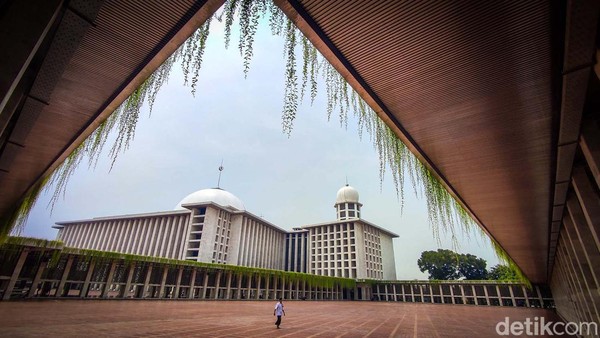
x=326 y=254
x=222 y=237
x=196 y=233
x=373 y=253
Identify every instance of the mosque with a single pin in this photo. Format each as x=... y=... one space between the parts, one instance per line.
x=213 y=226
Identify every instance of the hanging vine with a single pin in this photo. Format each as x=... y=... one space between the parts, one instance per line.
x=446 y=215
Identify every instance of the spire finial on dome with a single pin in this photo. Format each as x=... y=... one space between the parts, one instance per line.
x=220 y=171
x=347 y=180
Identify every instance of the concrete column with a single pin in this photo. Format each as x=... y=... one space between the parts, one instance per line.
x=163 y=281
x=431 y=293
x=178 y=282
x=487 y=297
x=88 y=278
x=583 y=234
x=239 y=286
x=583 y=272
x=303 y=288
x=36 y=279
x=525 y=295
x=275 y=278
x=205 y=284
x=15 y=275
x=65 y=275
x=147 y=281
x=248 y=286
x=539 y=294
x=452 y=293
x=267 y=290
x=462 y=293
x=403 y=293
x=109 y=279
x=441 y=293
x=571 y=272
x=129 y=278
x=228 y=293
x=499 y=295
x=258 y=280
x=474 y=294
x=589 y=202
x=512 y=295
x=217 y=284
x=561 y=266
x=192 y=283
x=589 y=141
x=334 y=291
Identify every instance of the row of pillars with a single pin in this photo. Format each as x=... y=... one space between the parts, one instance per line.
x=401 y=292
x=575 y=278
x=270 y=287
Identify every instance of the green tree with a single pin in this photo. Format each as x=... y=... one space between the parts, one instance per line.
x=502 y=272
x=472 y=267
x=448 y=265
x=440 y=264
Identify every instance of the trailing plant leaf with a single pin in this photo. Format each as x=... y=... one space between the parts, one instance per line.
x=195 y=51
x=18 y=218
x=306 y=61
x=230 y=9
x=35 y=242
x=290 y=100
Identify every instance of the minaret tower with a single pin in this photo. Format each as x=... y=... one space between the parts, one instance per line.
x=346 y=203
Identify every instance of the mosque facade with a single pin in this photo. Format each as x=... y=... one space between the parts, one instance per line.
x=213 y=226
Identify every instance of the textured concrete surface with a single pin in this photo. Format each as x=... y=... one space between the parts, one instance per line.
x=142 y=318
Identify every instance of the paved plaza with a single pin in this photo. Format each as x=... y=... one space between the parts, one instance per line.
x=143 y=318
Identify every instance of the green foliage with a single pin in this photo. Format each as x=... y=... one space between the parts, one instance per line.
x=17 y=219
x=35 y=242
x=501 y=272
x=440 y=264
x=96 y=255
x=504 y=257
x=472 y=267
x=290 y=102
x=191 y=54
x=449 y=265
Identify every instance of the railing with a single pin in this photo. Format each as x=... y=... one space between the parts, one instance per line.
x=489 y=293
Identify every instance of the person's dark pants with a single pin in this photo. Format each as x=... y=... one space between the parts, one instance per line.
x=278 y=320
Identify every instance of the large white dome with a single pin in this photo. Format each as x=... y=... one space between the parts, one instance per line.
x=215 y=195
x=347 y=194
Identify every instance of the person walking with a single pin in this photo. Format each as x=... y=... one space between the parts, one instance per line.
x=278 y=312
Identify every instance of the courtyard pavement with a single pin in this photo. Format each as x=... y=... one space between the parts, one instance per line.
x=149 y=318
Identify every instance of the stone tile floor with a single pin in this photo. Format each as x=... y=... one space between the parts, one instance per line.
x=144 y=318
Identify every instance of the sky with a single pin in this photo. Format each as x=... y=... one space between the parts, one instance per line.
x=288 y=181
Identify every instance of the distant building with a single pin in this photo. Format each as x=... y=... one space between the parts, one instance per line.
x=212 y=225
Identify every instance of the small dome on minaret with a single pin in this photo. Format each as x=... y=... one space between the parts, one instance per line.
x=347 y=205
x=347 y=194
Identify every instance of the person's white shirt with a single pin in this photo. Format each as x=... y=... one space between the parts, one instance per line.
x=279 y=309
